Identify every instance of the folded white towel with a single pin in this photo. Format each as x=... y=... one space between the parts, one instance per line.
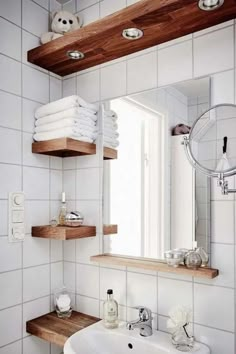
x=110 y=133
x=63 y=104
x=111 y=145
x=65 y=133
x=76 y=112
x=110 y=125
x=68 y=122
x=109 y=114
x=112 y=142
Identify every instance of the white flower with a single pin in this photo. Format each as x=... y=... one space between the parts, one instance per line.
x=179 y=317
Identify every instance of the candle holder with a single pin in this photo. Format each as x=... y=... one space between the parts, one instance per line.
x=63 y=303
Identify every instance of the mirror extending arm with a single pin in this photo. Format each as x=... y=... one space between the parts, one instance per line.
x=224 y=185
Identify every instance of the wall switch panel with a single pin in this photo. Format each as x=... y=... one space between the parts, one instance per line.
x=16 y=217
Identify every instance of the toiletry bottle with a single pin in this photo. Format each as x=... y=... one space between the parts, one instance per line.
x=62 y=212
x=110 y=311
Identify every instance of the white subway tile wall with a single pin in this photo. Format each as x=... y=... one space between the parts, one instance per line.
x=34 y=268
x=29 y=270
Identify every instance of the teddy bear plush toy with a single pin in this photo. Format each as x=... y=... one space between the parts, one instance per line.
x=62 y=22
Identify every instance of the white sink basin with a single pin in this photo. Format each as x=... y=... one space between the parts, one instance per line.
x=96 y=339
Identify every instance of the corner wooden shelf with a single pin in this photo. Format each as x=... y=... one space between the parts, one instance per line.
x=57 y=330
x=64 y=147
x=63 y=232
x=109 y=154
x=151 y=264
x=110 y=229
x=102 y=41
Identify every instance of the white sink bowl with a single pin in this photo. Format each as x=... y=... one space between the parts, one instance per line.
x=96 y=339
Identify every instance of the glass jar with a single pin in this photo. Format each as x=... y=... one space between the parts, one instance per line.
x=182 y=341
x=204 y=256
x=193 y=260
x=63 y=303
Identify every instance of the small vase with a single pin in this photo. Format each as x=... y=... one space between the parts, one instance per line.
x=204 y=256
x=63 y=303
x=182 y=340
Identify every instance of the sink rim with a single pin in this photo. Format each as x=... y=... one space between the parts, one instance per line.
x=159 y=340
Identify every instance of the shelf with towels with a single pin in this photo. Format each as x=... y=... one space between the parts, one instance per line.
x=102 y=41
x=57 y=330
x=63 y=232
x=152 y=264
x=64 y=147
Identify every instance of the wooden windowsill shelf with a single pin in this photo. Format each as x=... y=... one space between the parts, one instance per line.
x=64 y=147
x=151 y=264
x=63 y=232
x=101 y=41
x=57 y=330
x=110 y=229
x=109 y=154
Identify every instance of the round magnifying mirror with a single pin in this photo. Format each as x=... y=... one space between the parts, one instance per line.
x=212 y=141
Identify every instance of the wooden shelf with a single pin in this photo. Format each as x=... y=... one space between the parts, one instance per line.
x=57 y=330
x=109 y=154
x=101 y=41
x=63 y=232
x=151 y=264
x=110 y=229
x=64 y=147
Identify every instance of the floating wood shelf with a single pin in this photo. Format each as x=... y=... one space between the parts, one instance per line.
x=63 y=232
x=110 y=229
x=57 y=330
x=151 y=264
x=102 y=41
x=64 y=147
x=109 y=154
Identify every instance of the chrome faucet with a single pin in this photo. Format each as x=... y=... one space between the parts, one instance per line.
x=144 y=322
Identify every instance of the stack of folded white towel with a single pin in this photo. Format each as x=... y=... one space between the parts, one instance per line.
x=110 y=134
x=69 y=117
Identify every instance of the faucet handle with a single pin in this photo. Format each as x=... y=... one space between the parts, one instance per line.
x=145 y=314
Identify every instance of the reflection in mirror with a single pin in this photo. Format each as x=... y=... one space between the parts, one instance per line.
x=151 y=191
x=212 y=142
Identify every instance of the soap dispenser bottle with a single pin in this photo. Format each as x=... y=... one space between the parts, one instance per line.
x=62 y=213
x=110 y=311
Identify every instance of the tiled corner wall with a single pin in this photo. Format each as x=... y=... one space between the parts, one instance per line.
x=29 y=270
x=209 y=52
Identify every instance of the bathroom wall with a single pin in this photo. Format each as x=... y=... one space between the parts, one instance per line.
x=209 y=52
x=29 y=270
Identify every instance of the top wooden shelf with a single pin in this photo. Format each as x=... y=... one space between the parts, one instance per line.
x=102 y=41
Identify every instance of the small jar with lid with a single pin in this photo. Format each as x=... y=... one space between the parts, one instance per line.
x=173 y=258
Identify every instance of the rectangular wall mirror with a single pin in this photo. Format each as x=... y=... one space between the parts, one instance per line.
x=151 y=192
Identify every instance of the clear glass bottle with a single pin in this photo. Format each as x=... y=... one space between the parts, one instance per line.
x=204 y=256
x=63 y=209
x=110 y=311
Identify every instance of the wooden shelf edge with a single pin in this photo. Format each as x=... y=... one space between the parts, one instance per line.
x=63 y=147
x=160 y=20
x=110 y=229
x=57 y=330
x=151 y=264
x=63 y=232
x=110 y=154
